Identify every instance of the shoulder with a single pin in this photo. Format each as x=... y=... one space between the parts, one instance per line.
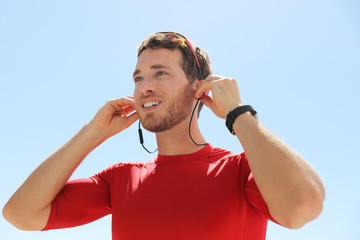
x=218 y=154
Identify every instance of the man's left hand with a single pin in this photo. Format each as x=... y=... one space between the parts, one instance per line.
x=225 y=94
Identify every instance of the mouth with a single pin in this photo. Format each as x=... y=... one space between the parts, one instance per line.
x=149 y=106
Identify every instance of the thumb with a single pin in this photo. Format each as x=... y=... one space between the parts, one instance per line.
x=207 y=100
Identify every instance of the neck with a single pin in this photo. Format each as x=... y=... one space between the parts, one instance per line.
x=177 y=141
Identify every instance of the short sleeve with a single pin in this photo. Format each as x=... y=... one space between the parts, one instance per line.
x=253 y=194
x=81 y=201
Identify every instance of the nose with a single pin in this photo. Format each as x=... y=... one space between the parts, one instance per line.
x=146 y=86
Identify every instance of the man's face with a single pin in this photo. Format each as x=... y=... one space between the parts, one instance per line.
x=163 y=95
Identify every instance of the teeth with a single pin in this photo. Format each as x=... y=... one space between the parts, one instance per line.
x=150 y=104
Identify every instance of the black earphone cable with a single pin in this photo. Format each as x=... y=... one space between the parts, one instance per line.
x=192 y=114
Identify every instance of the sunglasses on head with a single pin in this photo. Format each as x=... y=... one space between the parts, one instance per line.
x=177 y=37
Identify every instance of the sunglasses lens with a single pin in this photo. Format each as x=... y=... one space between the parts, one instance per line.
x=171 y=37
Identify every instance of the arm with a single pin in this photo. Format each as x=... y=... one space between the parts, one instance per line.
x=290 y=187
x=30 y=205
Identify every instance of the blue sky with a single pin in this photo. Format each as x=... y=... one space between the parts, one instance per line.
x=296 y=62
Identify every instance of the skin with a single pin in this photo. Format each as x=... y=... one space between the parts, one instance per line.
x=171 y=83
x=294 y=195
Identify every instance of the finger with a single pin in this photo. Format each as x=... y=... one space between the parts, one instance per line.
x=213 y=77
x=203 y=88
x=130 y=97
x=119 y=104
x=124 y=101
x=129 y=109
x=125 y=110
x=207 y=85
x=132 y=118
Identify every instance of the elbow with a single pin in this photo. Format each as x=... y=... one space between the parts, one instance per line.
x=5 y=212
x=306 y=212
x=18 y=219
x=303 y=215
x=12 y=217
x=8 y=214
x=303 y=211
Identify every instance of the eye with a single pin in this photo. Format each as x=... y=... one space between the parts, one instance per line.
x=137 y=79
x=161 y=73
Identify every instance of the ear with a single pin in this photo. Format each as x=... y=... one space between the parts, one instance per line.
x=197 y=82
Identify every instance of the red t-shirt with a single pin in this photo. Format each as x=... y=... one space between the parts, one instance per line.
x=210 y=194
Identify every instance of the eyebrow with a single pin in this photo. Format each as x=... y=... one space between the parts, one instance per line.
x=159 y=66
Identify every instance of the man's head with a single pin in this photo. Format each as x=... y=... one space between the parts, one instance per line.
x=163 y=95
x=190 y=63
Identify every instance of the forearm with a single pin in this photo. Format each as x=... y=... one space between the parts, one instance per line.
x=29 y=207
x=290 y=186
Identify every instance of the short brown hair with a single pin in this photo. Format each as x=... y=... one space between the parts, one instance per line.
x=160 y=40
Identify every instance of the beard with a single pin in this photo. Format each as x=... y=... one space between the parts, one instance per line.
x=177 y=111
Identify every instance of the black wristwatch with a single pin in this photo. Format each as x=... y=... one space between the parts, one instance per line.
x=232 y=115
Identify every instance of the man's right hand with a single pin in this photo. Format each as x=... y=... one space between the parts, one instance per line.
x=114 y=116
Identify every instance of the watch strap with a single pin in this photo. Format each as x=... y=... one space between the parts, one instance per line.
x=232 y=115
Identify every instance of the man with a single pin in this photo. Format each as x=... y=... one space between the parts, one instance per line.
x=191 y=190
